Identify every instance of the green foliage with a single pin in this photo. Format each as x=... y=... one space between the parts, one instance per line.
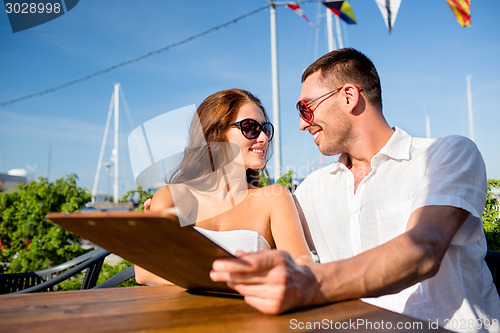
x=263 y=180
x=29 y=240
x=107 y=272
x=138 y=196
x=491 y=217
x=286 y=179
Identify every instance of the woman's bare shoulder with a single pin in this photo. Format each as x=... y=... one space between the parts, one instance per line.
x=272 y=193
x=162 y=199
x=168 y=195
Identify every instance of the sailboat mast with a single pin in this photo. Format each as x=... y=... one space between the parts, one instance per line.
x=339 y=34
x=427 y=124
x=101 y=152
x=329 y=28
x=275 y=89
x=116 y=146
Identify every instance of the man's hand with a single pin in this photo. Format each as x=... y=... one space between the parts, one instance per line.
x=271 y=281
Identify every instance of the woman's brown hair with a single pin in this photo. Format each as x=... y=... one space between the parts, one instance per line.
x=215 y=114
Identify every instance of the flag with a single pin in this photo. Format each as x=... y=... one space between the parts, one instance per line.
x=296 y=8
x=461 y=9
x=342 y=9
x=389 y=10
x=22 y=15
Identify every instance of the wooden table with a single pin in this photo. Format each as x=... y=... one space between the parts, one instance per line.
x=170 y=308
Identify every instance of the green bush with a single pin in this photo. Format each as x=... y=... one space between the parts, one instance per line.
x=263 y=180
x=491 y=217
x=285 y=180
x=137 y=196
x=28 y=239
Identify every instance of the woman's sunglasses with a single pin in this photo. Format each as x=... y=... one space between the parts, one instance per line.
x=251 y=128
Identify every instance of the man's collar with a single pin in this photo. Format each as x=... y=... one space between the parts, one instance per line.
x=397 y=148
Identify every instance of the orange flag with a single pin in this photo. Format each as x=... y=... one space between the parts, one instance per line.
x=461 y=9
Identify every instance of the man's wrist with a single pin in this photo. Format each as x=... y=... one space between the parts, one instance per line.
x=316 y=290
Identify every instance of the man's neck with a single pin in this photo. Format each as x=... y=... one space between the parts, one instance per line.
x=369 y=143
x=360 y=169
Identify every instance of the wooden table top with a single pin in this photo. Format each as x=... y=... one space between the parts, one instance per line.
x=170 y=308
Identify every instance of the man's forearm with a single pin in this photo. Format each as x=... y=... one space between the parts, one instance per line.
x=398 y=264
x=380 y=271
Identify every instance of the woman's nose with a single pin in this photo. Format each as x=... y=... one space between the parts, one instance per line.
x=262 y=137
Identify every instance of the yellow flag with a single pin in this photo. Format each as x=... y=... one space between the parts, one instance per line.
x=461 y=9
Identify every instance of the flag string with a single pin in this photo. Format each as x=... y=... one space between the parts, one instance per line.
x=130 y=61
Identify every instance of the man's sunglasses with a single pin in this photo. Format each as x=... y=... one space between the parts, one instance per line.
x=251 y=128
x=304 y=109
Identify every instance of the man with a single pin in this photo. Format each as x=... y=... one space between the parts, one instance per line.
x=396 y=221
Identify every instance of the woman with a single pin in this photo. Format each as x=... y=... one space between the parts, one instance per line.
x=214 y=185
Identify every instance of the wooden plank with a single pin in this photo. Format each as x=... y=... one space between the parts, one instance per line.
x=173 y=309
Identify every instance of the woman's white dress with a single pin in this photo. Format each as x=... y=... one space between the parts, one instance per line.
x=233 y=240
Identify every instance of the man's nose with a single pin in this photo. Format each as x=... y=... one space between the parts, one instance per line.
x=303 y=125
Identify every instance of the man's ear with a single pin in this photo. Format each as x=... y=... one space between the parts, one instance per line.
x=351 y=95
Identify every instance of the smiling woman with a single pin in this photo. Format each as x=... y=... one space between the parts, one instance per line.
x=214 y=187
x=214 y=123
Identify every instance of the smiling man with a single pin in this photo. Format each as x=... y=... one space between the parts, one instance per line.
x=396 y=221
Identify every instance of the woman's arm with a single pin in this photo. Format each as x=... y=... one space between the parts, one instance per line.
x=143 y=276
x=286 y=227
x=161 y=200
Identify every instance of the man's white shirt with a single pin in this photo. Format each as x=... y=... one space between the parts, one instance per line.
x=409 y=173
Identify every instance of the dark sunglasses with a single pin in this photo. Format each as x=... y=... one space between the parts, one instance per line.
x=304 y=109
x=251 y=128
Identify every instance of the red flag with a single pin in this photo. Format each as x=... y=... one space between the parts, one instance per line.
x=296 y=8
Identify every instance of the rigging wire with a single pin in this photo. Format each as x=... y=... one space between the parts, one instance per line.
x=130 y=61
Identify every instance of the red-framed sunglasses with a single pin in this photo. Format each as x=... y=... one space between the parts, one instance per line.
x=305 y=111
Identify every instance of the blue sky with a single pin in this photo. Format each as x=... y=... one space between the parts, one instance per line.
x=423 y=65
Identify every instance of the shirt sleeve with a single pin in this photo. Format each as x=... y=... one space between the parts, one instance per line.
x=455 y=176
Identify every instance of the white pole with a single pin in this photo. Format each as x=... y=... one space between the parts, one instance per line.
x=276 y=98
x=469 y=103
x=329 y=28
x=101 y=153
x=339 y=35
x=115 y=149
x=316 y=31
x=427 y=123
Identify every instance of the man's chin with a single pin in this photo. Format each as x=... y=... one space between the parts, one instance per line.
x=327 y=152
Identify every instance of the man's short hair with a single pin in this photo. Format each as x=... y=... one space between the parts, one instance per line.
x=348 y=66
